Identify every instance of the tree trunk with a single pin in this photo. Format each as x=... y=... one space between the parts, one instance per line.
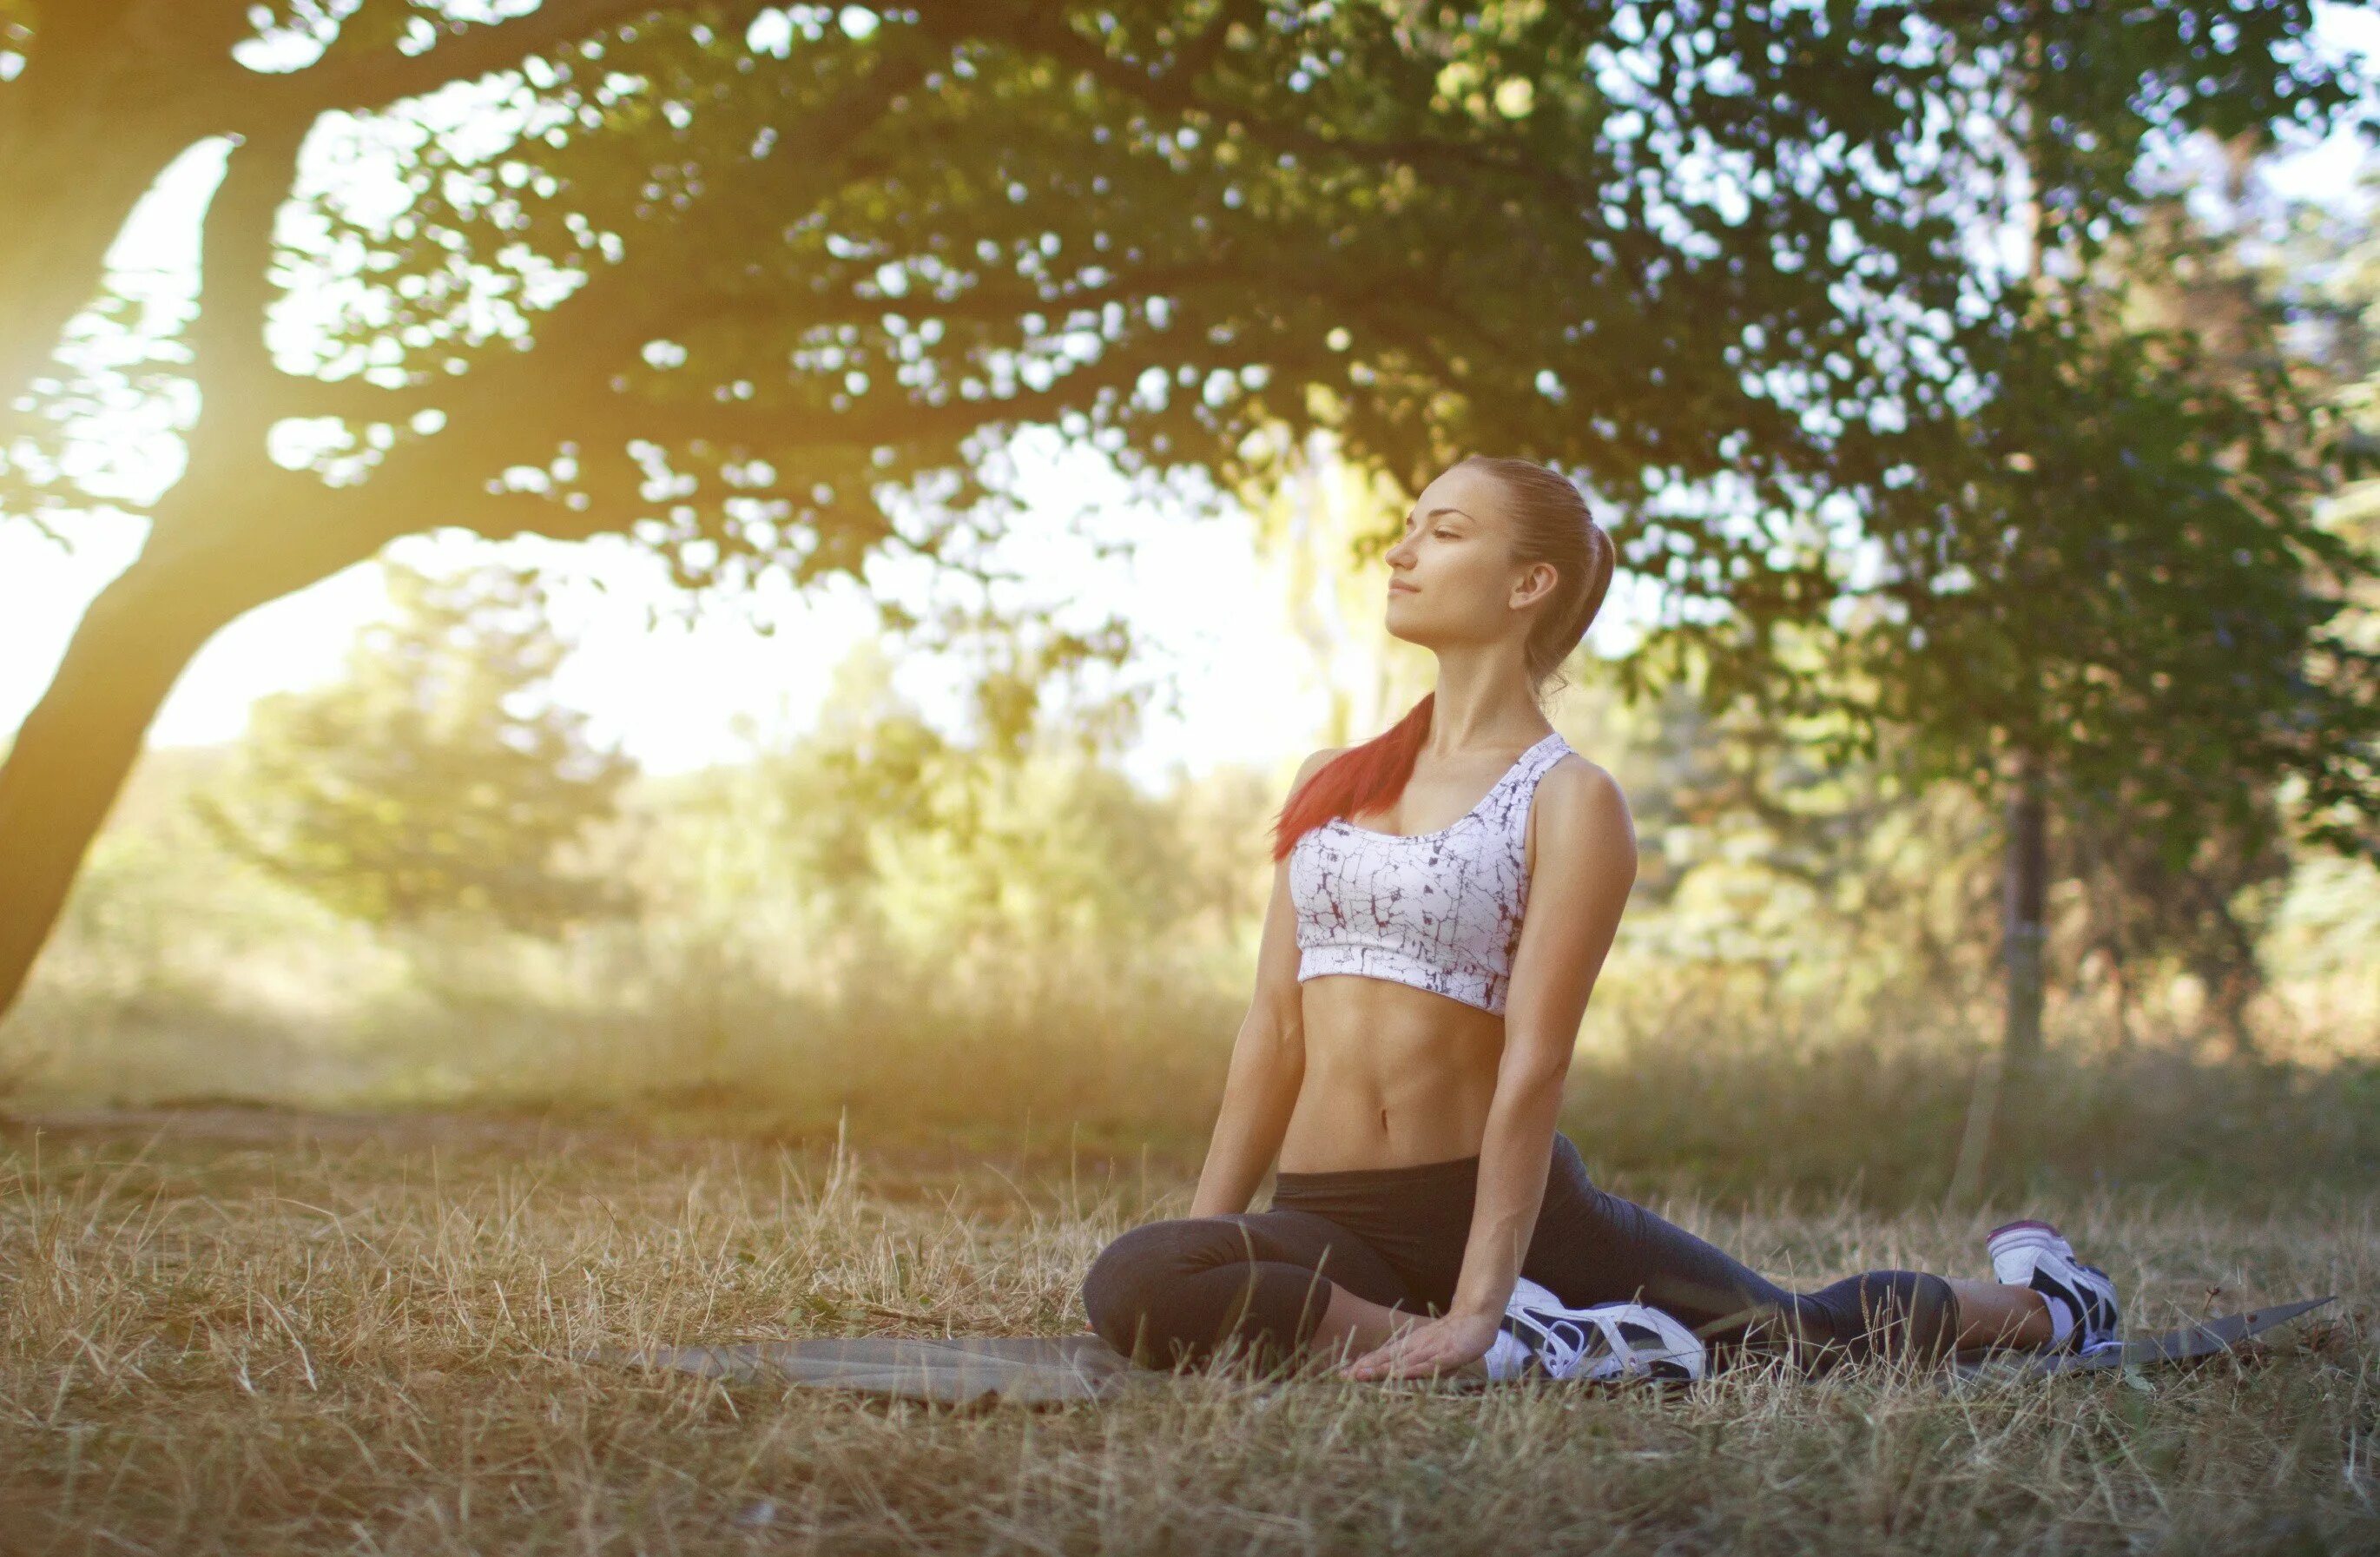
x=72 y=754
x=2026 y=899
x=2025 y=905
x=1999 y=1111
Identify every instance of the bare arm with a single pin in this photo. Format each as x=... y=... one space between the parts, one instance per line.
x=1267 y=1058
x=1586 y=863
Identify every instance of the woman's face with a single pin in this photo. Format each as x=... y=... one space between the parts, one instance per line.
x=1451 y=576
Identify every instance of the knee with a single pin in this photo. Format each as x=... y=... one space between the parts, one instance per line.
x=1126 y=1282
x=1911 y=1315
x=1932 y=1320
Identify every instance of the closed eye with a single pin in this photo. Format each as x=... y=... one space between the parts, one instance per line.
x=1414 y=519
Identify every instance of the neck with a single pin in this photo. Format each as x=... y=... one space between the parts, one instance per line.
x=1482 y=702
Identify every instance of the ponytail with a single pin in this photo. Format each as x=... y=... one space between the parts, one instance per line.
x=1358 y=778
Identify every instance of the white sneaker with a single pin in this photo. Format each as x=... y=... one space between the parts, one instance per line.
x=1609 y=1342
x=2032 y=1254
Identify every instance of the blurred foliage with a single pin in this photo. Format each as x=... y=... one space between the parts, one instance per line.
x=2263 y=716
x=2114 y=567
x=438 y=774
x=983 y=859
x=2085 y=571
x=2324 y=263
x=962 y=944
x=762 y=287
x=779 y=271
x=1849 y=876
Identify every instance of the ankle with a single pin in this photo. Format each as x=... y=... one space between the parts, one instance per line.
x=2050 y=1318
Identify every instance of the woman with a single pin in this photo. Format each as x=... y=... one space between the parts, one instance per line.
x=1404 y=1054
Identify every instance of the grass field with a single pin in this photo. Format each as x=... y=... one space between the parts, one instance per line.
x=249 y=1333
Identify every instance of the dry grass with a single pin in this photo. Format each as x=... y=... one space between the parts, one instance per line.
x=363 y=1341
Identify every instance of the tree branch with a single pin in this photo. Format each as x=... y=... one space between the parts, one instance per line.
x=1041 y=29
x=382 y=78
x=231 y=361
x=596 y=332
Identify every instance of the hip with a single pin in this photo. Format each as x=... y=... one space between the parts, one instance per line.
x=1417 y=1216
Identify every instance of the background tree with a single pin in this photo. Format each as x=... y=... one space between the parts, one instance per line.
x=2209 y=261
x=438 y=776
x=2323 y=272
x=2082 y=570
x=759 y=288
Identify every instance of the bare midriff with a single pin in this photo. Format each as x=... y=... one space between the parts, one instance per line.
x=1394 y=1076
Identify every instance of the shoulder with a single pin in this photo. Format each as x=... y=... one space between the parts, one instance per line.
x=1313 y=766
x=1582 y=782
x=1581 y=806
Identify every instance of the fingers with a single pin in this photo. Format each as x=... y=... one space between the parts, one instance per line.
x=1376 y=1363
x=1400 y=1359
x=1419 y=1351
x=1415 y=1366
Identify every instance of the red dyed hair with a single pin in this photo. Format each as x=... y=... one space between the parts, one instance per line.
x=1550 y=522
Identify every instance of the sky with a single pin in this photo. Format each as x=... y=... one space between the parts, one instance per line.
x=670 y=690
x=677 y=694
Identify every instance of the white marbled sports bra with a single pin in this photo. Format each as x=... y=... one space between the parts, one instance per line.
x=1440 y=911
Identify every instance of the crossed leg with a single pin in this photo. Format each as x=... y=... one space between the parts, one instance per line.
x=1286 y=1283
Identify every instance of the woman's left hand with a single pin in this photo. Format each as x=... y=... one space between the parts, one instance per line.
x=1435 y=1347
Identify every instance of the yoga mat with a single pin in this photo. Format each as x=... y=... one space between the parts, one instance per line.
x=958 y=1370
x=1060 y=1370
x=2190 y=1342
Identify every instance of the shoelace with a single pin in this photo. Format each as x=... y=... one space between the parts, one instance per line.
x=1563 y=1343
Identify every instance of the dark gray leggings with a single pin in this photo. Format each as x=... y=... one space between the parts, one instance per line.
x=1172 y=1292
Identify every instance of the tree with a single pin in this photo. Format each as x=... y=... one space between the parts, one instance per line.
x=2326 y=272
x=2084 y=571
x=438 y=776
x=757 y=287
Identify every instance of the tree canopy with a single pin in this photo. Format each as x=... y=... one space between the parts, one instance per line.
x=760 y=286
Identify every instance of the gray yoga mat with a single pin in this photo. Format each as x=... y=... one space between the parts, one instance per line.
x=1059 y=1370
x=1029 y=1369
x=2190 y=1342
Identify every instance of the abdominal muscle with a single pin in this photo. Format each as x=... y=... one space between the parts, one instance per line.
x=1394 y=1076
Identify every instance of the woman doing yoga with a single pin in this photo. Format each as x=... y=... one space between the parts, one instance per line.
x=1443 y=897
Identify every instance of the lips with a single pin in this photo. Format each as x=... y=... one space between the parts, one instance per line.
x=1395 y=588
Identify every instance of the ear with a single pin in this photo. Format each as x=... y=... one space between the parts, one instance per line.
x=1536 y=582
